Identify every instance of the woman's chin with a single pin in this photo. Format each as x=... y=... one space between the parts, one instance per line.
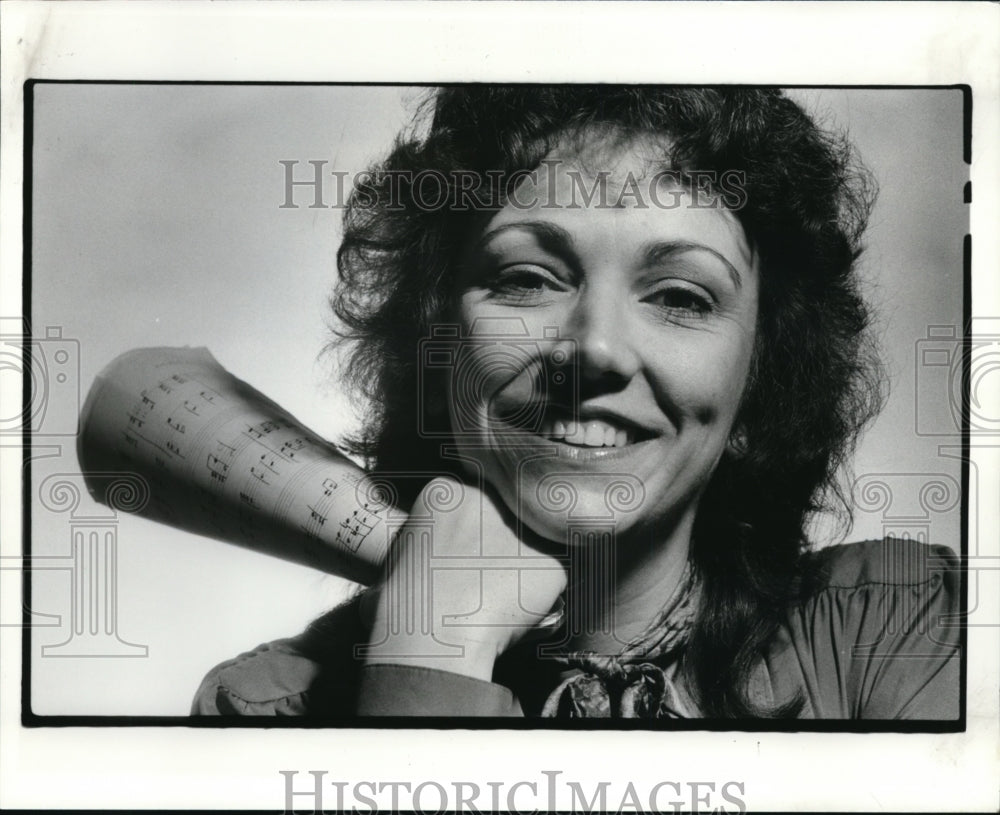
x=574 y=516
x=574 y=535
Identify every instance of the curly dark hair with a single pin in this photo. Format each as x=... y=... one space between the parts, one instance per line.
x=815 y=377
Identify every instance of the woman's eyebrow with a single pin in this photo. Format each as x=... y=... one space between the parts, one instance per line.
x=665 y=250
x=551 y=236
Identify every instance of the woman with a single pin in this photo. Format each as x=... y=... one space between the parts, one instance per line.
x=621 y=329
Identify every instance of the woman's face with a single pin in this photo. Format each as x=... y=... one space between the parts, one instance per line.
x=604 y=345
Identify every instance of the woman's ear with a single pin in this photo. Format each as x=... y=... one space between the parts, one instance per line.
x=738 y=443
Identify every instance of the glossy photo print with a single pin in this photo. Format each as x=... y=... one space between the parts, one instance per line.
x=468 y=407
x=498 y=406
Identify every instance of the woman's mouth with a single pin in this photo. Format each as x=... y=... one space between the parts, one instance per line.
x=586 y=428
x=593 y=433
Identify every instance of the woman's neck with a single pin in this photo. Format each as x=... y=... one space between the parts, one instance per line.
x=619 y=584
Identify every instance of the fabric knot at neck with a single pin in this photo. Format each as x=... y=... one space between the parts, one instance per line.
x=638 y=682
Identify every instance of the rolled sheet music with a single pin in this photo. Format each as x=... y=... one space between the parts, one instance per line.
x=221 y=459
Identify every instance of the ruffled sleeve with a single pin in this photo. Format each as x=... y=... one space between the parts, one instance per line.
x=314 y=673
x=318 y=674
x=876 y=637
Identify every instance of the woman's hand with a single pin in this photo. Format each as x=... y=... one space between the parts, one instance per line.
x=461 y=586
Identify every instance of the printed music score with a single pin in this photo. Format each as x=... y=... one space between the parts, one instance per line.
x=228 y=462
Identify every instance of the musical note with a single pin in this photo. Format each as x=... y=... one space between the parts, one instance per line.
x=217 y=463
x=263 y=429
x=289 y=448
x=218 y=469
x=355 y=528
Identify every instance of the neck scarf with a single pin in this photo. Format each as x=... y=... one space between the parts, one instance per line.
x=639 y=682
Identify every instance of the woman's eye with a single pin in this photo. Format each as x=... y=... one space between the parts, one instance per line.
x=523 y=282
x=683 y=301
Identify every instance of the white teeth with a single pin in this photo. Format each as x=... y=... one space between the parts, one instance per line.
x=594 y=436
x=594 y=433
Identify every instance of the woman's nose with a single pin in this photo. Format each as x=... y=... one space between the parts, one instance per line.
x=599 y=331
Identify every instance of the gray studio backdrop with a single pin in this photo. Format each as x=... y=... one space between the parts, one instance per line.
x=157 y=221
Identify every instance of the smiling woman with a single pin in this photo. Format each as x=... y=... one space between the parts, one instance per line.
x=613 y=413
x=658 y=322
